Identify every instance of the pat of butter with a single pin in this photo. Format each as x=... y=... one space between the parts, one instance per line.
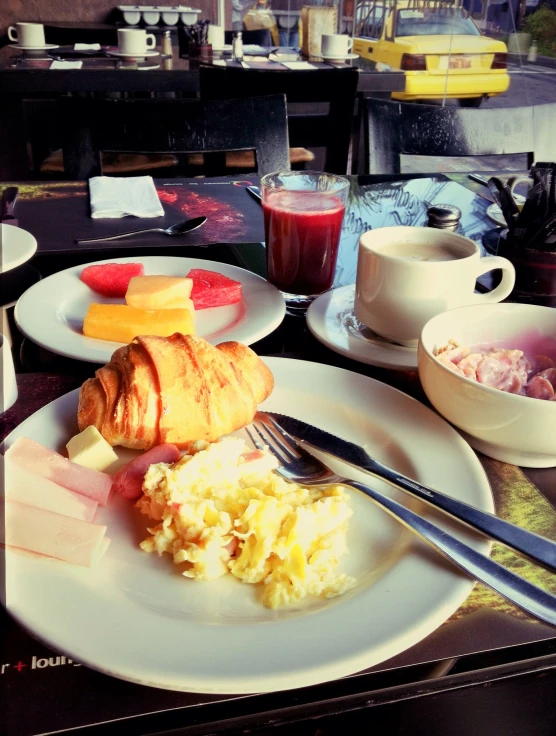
x=89 y=448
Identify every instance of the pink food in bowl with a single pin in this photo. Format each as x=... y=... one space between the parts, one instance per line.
x=528 y=368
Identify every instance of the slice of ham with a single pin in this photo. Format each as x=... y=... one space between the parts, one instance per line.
x=24 y=487
x=129 y=479
x=54 y=535
x=48 y=464
x=539 y=388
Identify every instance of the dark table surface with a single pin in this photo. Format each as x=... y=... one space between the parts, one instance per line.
x=488 y=661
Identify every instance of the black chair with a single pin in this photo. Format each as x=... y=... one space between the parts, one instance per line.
x=182 y=127
x=320 y=103
x=396 y=128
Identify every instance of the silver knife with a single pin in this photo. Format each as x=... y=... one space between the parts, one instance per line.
x=255 y=192
x=531 y=545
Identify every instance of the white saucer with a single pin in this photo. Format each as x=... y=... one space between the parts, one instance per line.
x=331 y=320
x=46 y=47
x=340 y=58
x=145 y=55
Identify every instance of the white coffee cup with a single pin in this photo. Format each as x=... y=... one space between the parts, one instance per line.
x=336 y=45
x=27 y=34
x=216 y=36
x=135 y=41
x=9 y=384
x=407 y=275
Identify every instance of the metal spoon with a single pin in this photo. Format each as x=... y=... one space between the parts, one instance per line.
x=178 y=229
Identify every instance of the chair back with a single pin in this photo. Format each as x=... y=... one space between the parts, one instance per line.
x=93 y=126
x=311 y=123
x=395 y=128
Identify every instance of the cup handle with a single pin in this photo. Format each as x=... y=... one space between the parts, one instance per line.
x=151 y=40
x=515 y=180
x=14 y=30
x=350 y=44
x=504 y=288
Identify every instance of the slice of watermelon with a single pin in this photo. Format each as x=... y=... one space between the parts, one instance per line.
x=111 y=279
x=211 y=289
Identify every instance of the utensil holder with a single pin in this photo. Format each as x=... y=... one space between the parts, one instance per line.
x=535 y=272
x=201 y=51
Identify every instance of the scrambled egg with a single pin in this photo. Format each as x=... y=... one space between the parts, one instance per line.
x=222 y=510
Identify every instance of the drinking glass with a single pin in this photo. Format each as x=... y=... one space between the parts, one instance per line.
x=303 y=213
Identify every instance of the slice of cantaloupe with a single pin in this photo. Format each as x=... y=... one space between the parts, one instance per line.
x=159 y=292
x=121 y=323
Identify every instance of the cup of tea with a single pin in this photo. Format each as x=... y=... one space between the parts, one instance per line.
x=303 y=214
x=336 y=45
x=135 y=41
x=407 y=275
x=27 y=34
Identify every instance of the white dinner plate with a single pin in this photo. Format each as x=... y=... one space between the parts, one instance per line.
x=18 y=246
x=135 y=617
x=331 y=320
x=341 y=57
x=51 y=312
x=127 y=55
x=46 y=47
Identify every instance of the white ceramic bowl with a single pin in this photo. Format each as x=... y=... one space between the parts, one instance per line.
x=189 y=15
x=515 y=429
x=131 y=13
x=170 y=16
x=151 y=15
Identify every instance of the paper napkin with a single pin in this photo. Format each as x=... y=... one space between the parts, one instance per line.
x=86 y=47
x=66 y=65
x=298 y=65
x=113 y=196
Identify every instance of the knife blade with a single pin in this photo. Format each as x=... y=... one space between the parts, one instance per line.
x=255 y=192
x=531 y=545
x=9 y=198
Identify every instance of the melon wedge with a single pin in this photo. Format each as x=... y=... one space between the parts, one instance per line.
x=122 y=323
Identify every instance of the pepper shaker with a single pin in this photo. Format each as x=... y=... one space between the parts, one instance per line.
x=444 y=217
x=237 y=46
x=166 y=44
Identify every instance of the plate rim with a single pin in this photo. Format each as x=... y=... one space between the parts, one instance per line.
x=228 y=269
x=316 y=318
x=26 y=255
x=328 y=671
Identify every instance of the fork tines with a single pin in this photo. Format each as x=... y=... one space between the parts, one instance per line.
x=274 y=437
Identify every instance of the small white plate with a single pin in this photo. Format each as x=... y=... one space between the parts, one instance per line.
x=146 y=55
x=133 y=616
x=18 y=246
x=51 y=312
x=331 y=320
x=495 y=213
x=46 y=47
x=340 y=58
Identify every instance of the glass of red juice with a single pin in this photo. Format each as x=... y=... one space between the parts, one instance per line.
x=303 y=213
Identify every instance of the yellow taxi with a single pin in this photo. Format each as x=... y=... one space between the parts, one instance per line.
x=438 y=46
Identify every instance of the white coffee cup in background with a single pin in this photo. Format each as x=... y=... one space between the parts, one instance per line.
x=135 y=41
x=407 y=275
x=27 y=34
x=216 y=36
x=9 y=384
x=336 y=45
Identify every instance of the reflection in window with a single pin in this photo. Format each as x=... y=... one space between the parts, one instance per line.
x=435 y=22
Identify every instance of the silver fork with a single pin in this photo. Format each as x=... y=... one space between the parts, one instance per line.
x=299 y=466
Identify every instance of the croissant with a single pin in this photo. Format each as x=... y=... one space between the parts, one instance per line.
x=175 y=390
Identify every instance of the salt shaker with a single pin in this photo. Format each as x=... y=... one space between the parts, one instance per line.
x=237 y=47
x=166 y=44
x=444 y=217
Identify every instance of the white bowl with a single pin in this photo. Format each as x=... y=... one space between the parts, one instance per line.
x=189 y=15
x=151 y=16
x=511 y=428
x=170 y=16
x=132 y=15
